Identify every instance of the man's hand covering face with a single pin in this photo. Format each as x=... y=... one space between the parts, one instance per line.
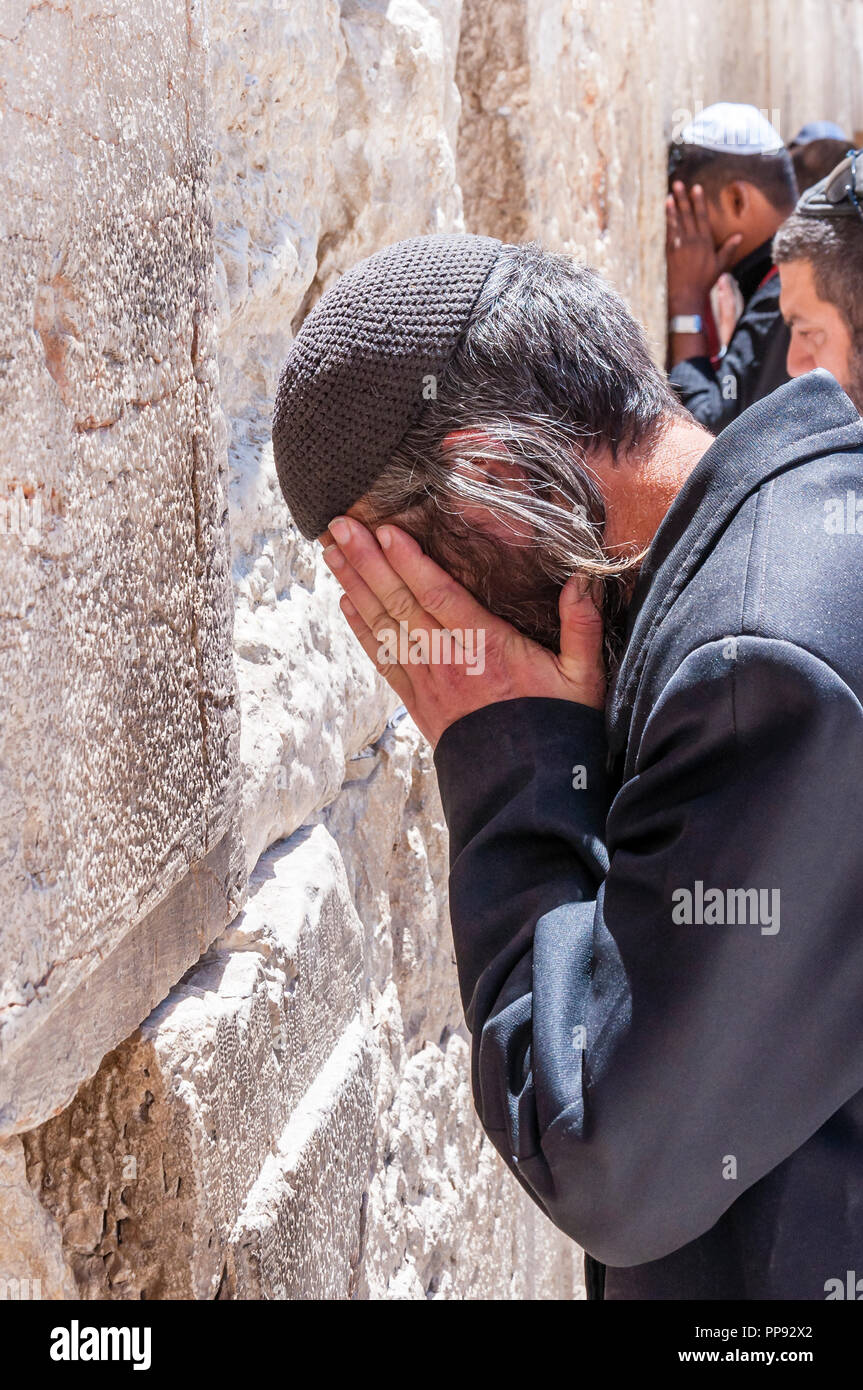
x=443 y=653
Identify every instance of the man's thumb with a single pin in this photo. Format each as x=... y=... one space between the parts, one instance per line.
x=581 y=633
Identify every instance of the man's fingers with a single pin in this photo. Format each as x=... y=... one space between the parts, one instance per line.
x=684 y=210
x=370 y=608
x=437 y=592
x=581 y=635
x=376 y=590
x=699 y=208
x=393 y=674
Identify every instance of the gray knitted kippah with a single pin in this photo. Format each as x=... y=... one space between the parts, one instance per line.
x=354 y=379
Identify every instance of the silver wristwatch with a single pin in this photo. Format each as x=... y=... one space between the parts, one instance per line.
x=686 y=323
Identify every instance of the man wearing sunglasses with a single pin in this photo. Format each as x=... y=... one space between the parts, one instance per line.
x=819 y=252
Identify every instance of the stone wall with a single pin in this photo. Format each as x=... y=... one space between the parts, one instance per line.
x=119 y=776
x=232 y=1058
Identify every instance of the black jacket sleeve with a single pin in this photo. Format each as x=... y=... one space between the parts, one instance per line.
x=636 y=1070
x=752 y=367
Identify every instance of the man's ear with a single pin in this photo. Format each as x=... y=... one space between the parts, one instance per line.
x=736 y=200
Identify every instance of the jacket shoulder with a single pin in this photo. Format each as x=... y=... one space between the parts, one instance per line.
x=806 y=558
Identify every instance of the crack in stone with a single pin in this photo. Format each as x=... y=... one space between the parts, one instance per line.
x=88 y=423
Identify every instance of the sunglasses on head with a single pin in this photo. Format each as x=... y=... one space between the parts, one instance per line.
x=851 y=188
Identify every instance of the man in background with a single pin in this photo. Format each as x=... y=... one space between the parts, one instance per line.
x=731 y=185
x=819 y=252
x=816 y=150
x=817 y=130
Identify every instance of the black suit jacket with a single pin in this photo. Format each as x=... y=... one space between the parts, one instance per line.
x=658 y=913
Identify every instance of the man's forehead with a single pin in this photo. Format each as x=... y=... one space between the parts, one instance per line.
x=797 y=283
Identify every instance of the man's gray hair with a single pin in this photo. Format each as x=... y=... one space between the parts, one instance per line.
x=551 y=367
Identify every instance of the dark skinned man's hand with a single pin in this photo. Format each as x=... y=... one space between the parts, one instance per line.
x=694 y=264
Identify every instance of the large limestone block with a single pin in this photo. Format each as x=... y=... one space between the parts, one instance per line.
x=32 y=1263
x=394 y=137
x=335 y=133
x=273 y=71
x=301 y=1233
x=311 y=699
x=149 y=1169
x=389 y=826
x=308 y=697
x=443 y=1218
x=118 y=738
x=295 y=1119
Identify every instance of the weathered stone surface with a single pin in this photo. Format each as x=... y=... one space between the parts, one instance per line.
x=174 y=1133
x=334 y=133
x=118 y=738
x=394 y=137
x=569 y=105
x=443 y=1217
x=294 y=1121
x=388 y=823
x=293 y=1118
x=301 y=1233
x=32 y=1263
x=307 y=698
x=84 y=1024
